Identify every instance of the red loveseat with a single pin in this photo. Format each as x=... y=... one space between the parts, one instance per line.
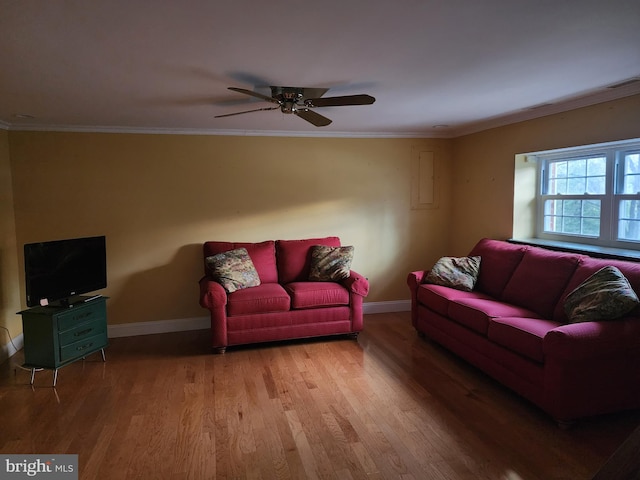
x=285 y=305
x=513 y=326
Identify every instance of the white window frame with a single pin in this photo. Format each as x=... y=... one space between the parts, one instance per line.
x=615 y=153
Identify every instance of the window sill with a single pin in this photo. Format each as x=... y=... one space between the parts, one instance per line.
x=591 y=250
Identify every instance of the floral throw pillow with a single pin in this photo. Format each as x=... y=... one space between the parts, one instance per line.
x=460 y=273
x=605 y=295
x=330 y=264
x=234 y=270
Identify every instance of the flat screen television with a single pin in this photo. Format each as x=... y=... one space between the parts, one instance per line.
x=58 y=270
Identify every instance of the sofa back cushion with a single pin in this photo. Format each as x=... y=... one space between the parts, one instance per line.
x=540 y=280
x=498 y=260
x=294 y=257
x=263 y=256
x=587 y=267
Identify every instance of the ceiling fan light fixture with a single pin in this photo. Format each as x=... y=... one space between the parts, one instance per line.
x=288 y=107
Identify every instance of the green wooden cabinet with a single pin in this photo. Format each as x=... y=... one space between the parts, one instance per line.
x=57 y=336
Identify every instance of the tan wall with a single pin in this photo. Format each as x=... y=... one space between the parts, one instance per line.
x=484 y=163
x=158 y=197
x=9 y=286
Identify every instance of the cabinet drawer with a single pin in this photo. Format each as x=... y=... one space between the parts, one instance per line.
x=82 y=331
x=73 y=317
x=83 y=347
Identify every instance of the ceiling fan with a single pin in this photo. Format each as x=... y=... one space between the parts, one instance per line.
x=300 y=101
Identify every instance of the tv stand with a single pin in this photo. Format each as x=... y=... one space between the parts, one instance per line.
x=55 y=336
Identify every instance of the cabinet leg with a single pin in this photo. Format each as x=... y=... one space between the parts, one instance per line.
x=104 y=359
x=55 y=377
x=33 y=375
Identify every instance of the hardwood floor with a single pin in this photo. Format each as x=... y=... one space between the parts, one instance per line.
x=389 y=405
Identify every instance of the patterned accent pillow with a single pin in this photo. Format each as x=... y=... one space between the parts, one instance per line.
x=233 y=269
x=330 y=264
x=605 y=295
x=460 y=273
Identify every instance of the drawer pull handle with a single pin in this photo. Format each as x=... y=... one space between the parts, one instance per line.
x=82 y=316
x=84 y=347
x=83 y=332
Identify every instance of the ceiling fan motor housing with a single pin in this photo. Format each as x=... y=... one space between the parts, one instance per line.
x=288 y=97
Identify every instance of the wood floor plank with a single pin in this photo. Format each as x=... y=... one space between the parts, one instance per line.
x=390 y=405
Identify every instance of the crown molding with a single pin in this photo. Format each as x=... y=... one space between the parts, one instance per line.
x=218 y=132
x=603 y=95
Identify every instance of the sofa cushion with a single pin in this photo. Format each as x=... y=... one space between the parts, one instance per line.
x=233 y=270
x=460 y=273
x=524 y=336
x=587 y=267
x=293 y=257
x=499 y=260
x=268 y=297
x=540 y=279
x=437 y=297
x=263 y=256
x=330 y=264
x=476 y=313
x=317 y=294
x=605 y=295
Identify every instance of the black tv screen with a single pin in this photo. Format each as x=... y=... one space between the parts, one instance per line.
x=60 y=269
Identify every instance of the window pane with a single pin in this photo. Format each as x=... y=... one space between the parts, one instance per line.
x=576 y=186
x=629 y=220
x=591 y=208
x=596 y=185
x=631 y=182
x=632 y=163
x=591 y=227
x=571 y=225
x=558 y=186
x=573 y=217
x=551 y=207
x=572 y=208
x=596 y=166
x=560 y=169
x=577 y=168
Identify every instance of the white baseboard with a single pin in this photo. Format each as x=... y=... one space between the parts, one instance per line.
x=387 y=307
x=6 y=351
x=160 y=326
x=203 y=323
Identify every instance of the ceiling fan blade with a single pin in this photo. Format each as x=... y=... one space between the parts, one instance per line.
x=310 y=92
x=312 y=117
x=340 y=101
x=254 y=94
x=246 y=111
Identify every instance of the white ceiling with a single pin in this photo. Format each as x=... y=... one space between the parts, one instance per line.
x=162 y=65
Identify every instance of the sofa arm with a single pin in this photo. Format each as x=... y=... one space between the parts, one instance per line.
x=357 y=284
x=414 y=279
x=594 y=339
x=212 y=295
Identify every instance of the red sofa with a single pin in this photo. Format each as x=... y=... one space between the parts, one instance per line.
x=513 y=326
x=285 y=305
